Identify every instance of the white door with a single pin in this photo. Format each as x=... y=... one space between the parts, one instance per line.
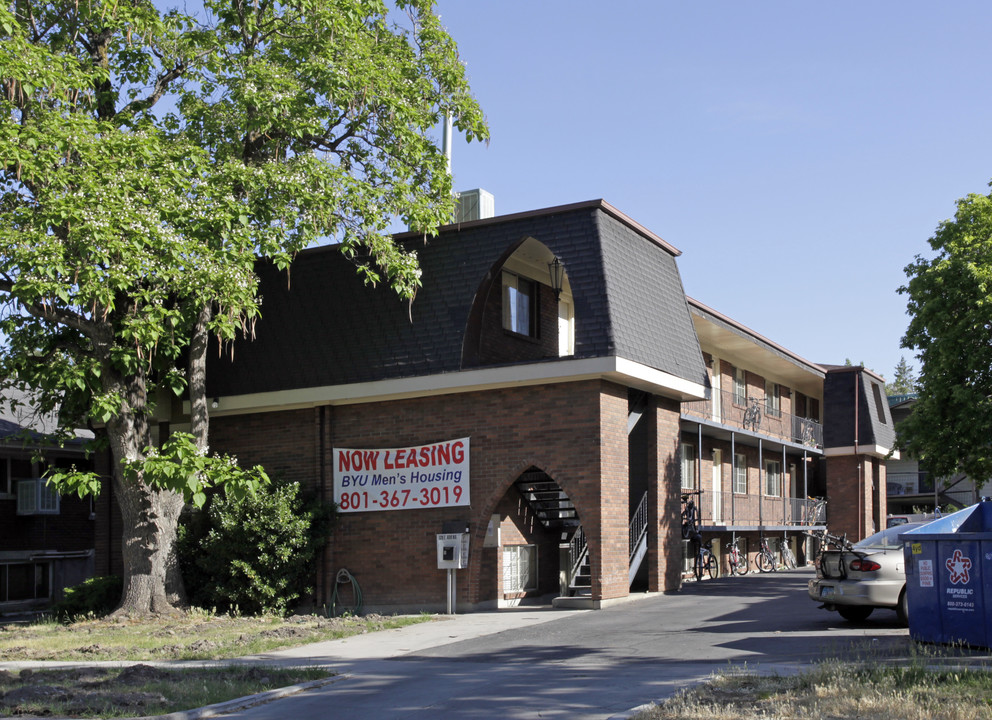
x=715 y=384
x=717 y=486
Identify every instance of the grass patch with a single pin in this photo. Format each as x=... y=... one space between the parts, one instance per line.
x=193 y=636
x=839 y=691
x=142 y=690
x=137 y=690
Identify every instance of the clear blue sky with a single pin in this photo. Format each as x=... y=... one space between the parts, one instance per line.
x=799 y=154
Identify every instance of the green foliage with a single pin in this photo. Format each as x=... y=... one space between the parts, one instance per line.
x=94 y=597
x=148 y=158
x=904 y=381
x=252 y=553
x=950 y=308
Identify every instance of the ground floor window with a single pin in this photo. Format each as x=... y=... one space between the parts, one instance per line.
x=519 y=568
x=25 y=581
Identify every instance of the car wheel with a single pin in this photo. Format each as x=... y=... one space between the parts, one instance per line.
x=854 y=613
x=902 y=609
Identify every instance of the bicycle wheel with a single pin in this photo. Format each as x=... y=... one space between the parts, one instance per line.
x=789 y=559
x=697 y=567
x=764 y=562
x=712 y=568
x=742 y=565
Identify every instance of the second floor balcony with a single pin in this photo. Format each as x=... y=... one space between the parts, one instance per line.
x=722 y=510
x=755 y=415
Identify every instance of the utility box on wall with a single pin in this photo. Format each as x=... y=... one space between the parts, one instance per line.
x=452 y=551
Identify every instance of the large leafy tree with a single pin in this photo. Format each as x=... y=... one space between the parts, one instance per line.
x=148 y=158
x=950 y=308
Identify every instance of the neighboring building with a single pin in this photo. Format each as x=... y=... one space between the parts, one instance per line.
x=559 y=429
x=912 y=489
x=858 y=434
x=47 y=542
x=754 y=447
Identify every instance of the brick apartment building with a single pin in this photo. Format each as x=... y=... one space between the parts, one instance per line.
x=47 y=542
x=553 y=391
x=583 y=414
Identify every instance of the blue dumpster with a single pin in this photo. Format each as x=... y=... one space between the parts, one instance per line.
x=949 y=577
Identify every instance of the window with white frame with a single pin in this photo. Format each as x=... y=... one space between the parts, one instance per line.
x=688 y=466
x=740 y=473
x=519 y=305
x=773 y=478
x=519 y=568
x=740 y=386
x=773 y=399
x=36 y=497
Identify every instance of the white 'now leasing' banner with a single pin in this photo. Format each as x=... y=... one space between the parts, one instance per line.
x=408 y=478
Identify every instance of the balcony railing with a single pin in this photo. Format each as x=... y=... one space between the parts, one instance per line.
x=911 y=483
x=727 y=508
x=754 y=415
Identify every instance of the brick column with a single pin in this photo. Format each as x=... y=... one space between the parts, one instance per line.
x=610 y=565
x=852 y=506
x=664 y=526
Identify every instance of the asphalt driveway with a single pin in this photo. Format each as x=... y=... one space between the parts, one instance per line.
x=584 y=664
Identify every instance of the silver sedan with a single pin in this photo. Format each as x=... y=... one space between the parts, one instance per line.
x=870 y=574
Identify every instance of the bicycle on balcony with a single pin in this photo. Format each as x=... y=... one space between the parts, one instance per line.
x=739 y=564
x=690 y=514
x=752 y=414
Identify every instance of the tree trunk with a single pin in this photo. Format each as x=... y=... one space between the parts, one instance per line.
x=150 y=517
x=199 y=415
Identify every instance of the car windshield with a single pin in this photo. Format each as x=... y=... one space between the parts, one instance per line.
x=887 y=539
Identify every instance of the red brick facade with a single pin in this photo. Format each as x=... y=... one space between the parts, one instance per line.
x=574 y=432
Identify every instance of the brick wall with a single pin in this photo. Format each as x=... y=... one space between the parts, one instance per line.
x=574 y=432
x=852 y=486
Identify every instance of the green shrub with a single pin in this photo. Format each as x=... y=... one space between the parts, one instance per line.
x=252 y=554
x=94 y=597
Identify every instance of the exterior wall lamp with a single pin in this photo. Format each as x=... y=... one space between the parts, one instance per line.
x=557 y=272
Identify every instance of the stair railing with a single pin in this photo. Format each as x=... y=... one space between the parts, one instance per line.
x=638 y=525
x=578 y=548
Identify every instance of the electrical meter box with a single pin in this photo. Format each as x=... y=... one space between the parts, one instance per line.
x=452 y=551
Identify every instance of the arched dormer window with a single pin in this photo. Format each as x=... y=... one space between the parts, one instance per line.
x=516 y=317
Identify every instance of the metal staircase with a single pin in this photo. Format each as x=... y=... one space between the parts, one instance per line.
x=579 y=574
x=546 y=500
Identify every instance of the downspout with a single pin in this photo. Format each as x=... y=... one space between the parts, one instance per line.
x=733 y=476
x=323 y=576
x=857 y=457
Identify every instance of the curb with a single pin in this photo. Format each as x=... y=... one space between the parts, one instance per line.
x=248 y=701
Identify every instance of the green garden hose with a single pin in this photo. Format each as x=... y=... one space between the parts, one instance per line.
x=345 y=578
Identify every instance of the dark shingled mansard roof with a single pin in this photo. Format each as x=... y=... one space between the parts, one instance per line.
x=322 y=326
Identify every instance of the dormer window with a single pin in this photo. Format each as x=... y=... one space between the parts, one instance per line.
x=519 y=305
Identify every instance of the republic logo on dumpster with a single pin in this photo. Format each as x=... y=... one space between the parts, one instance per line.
x=959 y=599
x=958 y=566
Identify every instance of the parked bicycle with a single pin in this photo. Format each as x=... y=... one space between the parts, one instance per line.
x=765 y=559
x=705 y=561
x=788 y=558
x=690 y=514
x=752 y=414
x=814 y=511
x=826 y=541
x=739 y=563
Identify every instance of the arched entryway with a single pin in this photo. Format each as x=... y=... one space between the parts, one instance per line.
x=533 y=525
